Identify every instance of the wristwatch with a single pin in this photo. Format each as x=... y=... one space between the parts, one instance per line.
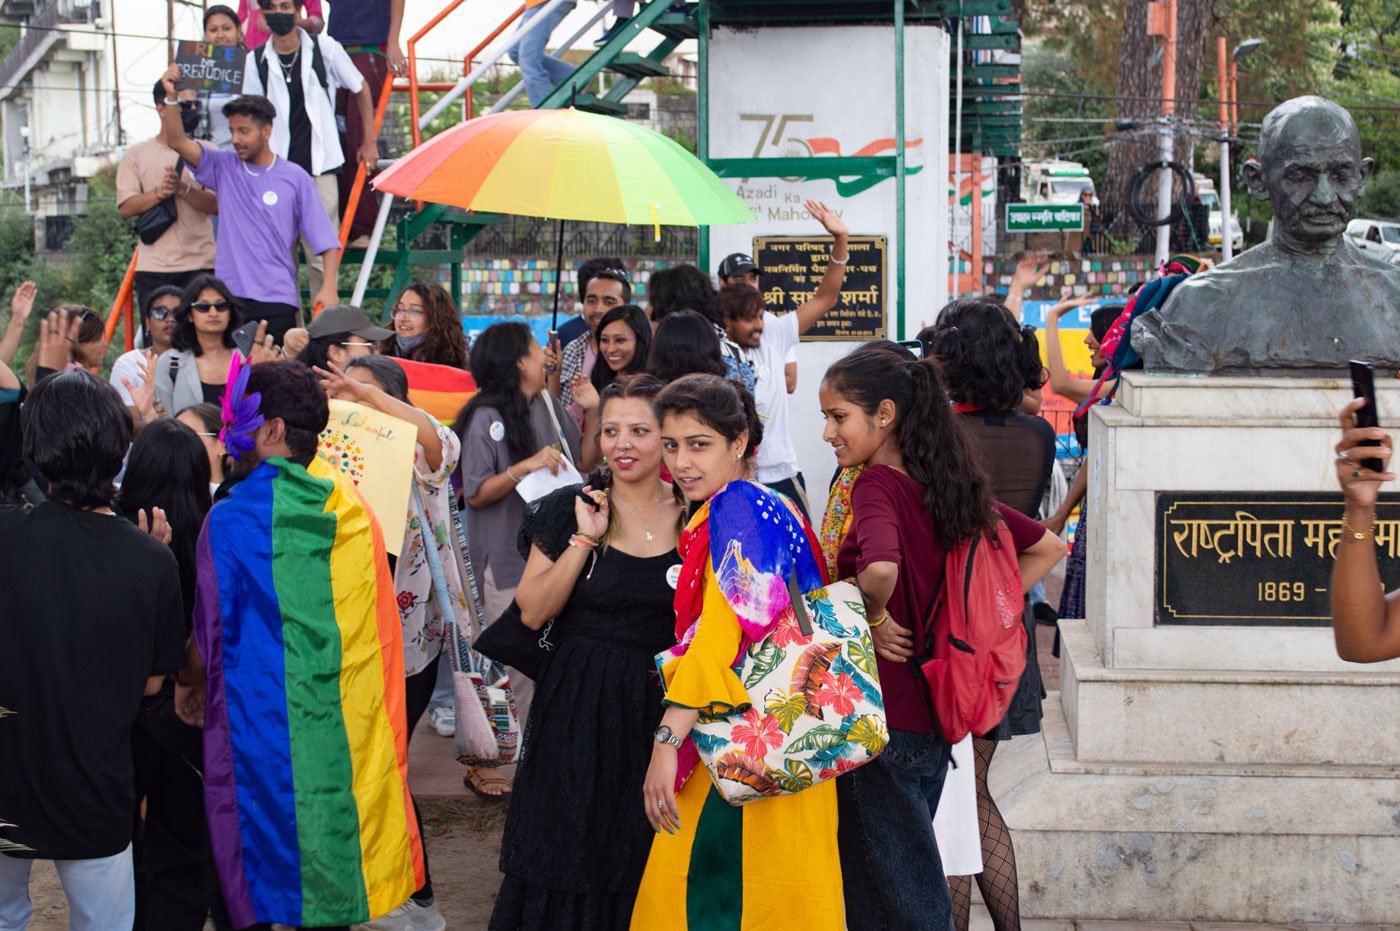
x=663 y=735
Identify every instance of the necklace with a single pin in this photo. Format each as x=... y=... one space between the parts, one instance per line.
x=258 y=174
x=638 y=509
x=289 y=68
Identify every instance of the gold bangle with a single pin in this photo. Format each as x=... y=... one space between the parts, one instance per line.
x=1358 y=534
x=884 y=616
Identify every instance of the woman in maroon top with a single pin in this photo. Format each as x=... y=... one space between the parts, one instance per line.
x=922 y=491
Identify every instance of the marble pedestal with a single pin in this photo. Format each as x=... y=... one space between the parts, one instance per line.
x=1222 y=773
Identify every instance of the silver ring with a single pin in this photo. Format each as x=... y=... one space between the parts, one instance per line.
x=660 y=804
x=1344 y=454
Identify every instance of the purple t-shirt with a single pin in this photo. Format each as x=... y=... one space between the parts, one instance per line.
x=262 y=213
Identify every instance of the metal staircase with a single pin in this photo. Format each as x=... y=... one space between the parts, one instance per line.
x=455 y=228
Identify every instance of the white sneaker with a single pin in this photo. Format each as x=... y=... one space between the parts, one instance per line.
x=410 y=916
x=443 y=720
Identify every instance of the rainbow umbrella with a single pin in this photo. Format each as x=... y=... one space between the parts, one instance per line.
x=564 y=165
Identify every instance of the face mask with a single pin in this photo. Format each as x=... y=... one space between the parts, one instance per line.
x=280 y=23
x=190 y=120
x=410 y=343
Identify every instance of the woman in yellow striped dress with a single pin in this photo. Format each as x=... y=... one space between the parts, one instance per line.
x=770 y=865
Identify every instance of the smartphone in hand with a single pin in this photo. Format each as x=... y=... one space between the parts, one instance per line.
x=1363 y=385
x=243 y=337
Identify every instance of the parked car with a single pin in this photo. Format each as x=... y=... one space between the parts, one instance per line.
x=1381 y=238
x=1205 y=189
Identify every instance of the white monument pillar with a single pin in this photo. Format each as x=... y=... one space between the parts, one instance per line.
x=1209 y=757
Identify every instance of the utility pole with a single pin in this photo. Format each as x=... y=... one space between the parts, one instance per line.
x=1161 y=21
x=1222 y=67
x=169 y=30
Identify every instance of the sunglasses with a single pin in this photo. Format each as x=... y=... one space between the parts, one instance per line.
x=189 y=105
x=203 y=307
x=410 y=311
x=161 y=313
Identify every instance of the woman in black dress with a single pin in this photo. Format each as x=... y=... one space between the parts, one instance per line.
x=576 y=841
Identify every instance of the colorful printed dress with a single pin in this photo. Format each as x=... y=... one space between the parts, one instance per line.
x=770 y=865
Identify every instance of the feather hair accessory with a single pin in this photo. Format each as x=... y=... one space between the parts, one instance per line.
x=240 y=410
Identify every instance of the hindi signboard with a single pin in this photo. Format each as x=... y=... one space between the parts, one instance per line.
x=791 y=268
x=1044 y=218
x=1257 y=558
x=209 y=67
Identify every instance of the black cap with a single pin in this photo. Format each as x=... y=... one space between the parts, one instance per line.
x=346 y=318
x=737 y=264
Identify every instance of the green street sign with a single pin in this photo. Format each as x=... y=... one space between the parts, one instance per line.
x=1043 y=218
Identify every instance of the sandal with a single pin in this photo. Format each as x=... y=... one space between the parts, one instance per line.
x=479 y=779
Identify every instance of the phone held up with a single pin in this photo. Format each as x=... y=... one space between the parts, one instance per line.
x=1363 y=385
x=243 y=337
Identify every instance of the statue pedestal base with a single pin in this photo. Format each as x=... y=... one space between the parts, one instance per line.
x=1209 y=757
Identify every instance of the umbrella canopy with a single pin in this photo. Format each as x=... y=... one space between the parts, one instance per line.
x=565 y=165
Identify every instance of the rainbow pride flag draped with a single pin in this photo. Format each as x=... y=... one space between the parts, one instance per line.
x=441 y=390
x=305 y=740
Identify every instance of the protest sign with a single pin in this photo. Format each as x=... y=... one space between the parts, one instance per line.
x=208 y=67
x=375 y=451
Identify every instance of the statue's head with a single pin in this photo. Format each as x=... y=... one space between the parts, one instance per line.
x=1310 y=170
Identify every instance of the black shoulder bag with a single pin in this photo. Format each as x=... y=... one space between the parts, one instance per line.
x=152 y=224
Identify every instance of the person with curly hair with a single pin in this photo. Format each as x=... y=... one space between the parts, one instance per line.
x=427 y=327
x=988 y=361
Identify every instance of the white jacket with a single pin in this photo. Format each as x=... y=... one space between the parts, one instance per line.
x=326 y=154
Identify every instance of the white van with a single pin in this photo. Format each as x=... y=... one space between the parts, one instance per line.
x=1381 y=238
x=1055 y=182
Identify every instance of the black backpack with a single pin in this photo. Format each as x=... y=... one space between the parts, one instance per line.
x=318 y=63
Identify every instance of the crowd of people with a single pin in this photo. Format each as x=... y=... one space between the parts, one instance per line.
x=214 y=664
x=678 y=416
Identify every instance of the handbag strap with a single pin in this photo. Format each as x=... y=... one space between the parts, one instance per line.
x=921 y=648
x=799 y=604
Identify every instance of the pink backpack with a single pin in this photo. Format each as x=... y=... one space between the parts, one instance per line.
x=979 y=636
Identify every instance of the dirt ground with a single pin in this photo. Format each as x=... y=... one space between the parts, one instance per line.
x=464 y=840
x=463 y=832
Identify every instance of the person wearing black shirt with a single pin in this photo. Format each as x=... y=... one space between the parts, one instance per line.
x=92 y=620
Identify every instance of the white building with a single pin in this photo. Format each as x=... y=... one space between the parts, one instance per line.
x=74 y=91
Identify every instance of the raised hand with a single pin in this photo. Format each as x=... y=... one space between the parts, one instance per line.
x=585 y=394
x=1360 y=485
x=58 y=335
x=827 y=217
x=263 y=348
x=143 y=392
x=22 y=304
x=592 y=521
x=341 y=386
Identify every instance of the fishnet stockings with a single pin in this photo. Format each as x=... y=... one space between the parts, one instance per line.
x=998 y=877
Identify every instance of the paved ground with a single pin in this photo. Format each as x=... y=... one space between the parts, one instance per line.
x=464 y=840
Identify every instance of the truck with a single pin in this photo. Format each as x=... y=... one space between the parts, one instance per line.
x=1055 y=182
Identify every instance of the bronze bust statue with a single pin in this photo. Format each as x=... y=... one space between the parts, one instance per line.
x=1306 y=300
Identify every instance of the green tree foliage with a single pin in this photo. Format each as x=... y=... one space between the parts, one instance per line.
x=1382 y=197
x=1048 y=68
x=99 y=251
x=1345 y=49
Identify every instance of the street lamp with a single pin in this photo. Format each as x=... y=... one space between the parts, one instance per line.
x=1228 y=76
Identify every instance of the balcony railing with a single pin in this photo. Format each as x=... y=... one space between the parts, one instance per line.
x=42 y=28
x=39 y=30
